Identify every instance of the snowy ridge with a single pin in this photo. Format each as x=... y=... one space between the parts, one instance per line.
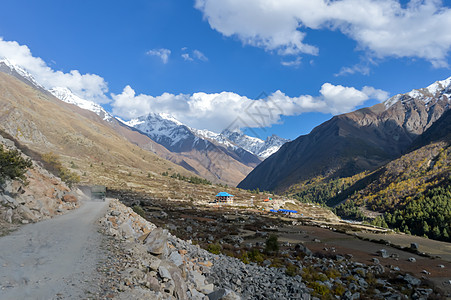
x=165 y=128
x=66 y=95
x=261 y=148
x=161 y=128
x=20 y=71
x=434 y=91
x=62 y=93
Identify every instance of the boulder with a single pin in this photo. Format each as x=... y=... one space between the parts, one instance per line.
x=223 y=294
x=171 y=271
x=126 y=230
x=156 y=241
x=414 y=246
x=412 y=280
x=69 y=199
x=383 y=253
x=8 y=216
x=176 y=258
x=303 y=249
x=9 y=201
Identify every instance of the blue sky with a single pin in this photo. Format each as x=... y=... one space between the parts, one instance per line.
x=208 y=61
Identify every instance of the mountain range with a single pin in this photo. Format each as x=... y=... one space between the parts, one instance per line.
x=354 y=142
x=222 y=158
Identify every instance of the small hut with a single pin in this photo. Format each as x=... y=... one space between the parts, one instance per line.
x=224 y=197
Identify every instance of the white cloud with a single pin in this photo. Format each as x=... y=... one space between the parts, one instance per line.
x=199 y=55
x=365 y=70
x=87 y=86
x=291 y=63
x=220 y=110
x=186 y=57
x=162 y=53
x=382 y=28
x=195 y=55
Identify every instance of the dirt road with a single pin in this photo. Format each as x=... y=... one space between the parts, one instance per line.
x=53 y=259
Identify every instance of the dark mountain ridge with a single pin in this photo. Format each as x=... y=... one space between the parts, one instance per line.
x=354 y=142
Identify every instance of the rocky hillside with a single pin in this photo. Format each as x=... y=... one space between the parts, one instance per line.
x=413 y=191
x=38 y=196
x=82 y=139
x=354 y=142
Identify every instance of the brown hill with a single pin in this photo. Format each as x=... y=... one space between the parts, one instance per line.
x=46 y=124
x=351 y=143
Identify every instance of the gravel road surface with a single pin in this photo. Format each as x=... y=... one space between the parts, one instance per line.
x=53 y=259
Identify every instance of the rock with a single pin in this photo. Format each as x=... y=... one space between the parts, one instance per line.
x=383 y=253
x=154 y=284
x=156 y=241
x=223 y=294
x=69 y=199
x=379 y=269
x=193 y=294
x=414 y=246
x=441 y=266
x=197 y=278
x=126 y=230
x=426 y=272
x=8 y=216
x=115 y=213
x=207 y=288
x=375 y=260
x=176 y=258
x=303 y=249
x=180 y=289
x=412 y=259
x=412 y=280
x=27 y=213
x=9 y=201
x=339 y=257
x=154 y=263
x=164 y=272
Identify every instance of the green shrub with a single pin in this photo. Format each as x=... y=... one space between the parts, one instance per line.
x=139 y=210
x=272 y=245
x=256 y=256
x=53 y=164
x=12 y=165
x=292 y=270
x=214 y=248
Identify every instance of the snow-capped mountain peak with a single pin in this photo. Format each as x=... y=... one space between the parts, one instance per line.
x=166 y=129
x=434 y=91
x=255 y=145
x=66 y=95
x=10 y=68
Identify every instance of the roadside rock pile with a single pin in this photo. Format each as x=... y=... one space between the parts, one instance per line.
x=152 y=263
x=40 y=197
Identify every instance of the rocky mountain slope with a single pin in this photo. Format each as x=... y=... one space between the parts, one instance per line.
x=354 y=142
x=83 y=139
x=412 y=191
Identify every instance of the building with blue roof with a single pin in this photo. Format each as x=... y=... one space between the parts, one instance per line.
x=224 y=197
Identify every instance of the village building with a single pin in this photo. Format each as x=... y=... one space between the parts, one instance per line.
x=224 y=197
